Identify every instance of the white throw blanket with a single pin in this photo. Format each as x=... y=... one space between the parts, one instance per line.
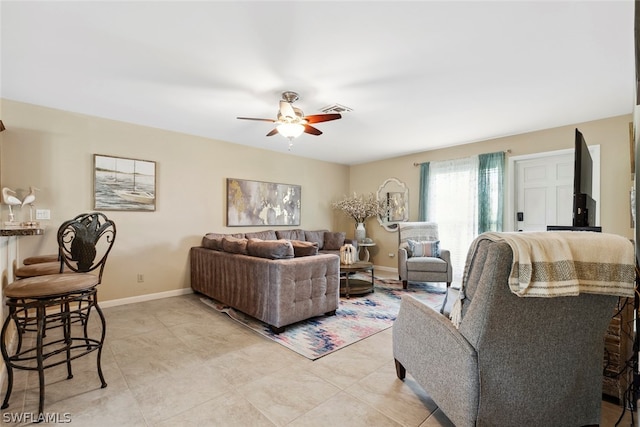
x=563 y=263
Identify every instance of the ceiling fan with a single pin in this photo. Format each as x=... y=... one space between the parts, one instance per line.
x=292 y=122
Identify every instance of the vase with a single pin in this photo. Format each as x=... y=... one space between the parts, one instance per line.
x=361 y=233
x=348 y=254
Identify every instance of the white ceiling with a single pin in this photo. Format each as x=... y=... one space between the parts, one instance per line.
x=418 y=75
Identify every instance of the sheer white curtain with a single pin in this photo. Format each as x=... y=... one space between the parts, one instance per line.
x=452 y=202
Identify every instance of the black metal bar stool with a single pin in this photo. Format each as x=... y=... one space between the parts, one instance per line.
x=43 y=265
x=41 y=269
x=84 y=244
x=39 y=259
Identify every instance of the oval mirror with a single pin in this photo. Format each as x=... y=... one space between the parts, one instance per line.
x=394 y=196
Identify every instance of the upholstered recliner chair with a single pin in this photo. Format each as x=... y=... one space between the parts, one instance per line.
x=512 y=360
x=420 y=259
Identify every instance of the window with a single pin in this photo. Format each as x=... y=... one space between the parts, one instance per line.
x=465 y=197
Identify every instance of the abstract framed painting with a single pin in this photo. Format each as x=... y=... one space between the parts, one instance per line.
x=122 y=184
x=256 y=203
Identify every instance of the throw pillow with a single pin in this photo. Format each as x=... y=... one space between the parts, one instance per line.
x=315 y=236
x=263 y=235
x=214 y=240
x=425 y=249
x=271 y=249
x=302 y=248
x=234 y=245
x=297 y=234
x=333 y=241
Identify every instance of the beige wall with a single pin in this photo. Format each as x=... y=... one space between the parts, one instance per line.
x=615 y=183
x=53 y=150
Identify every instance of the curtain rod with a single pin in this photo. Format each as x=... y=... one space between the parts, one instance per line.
x=418 y=164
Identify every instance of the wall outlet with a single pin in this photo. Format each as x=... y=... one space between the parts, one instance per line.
x=43 y=214
x=391 y=254
x=140 y=277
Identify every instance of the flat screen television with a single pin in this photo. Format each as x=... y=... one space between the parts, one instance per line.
x=584 y=207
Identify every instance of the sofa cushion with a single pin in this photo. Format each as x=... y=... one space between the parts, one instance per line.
x=303 y=248
x=315 y=236
x=234 y=245
x=262 y=235
x=271 y=249
x=297 y=234
x=214 y=240
x=429 y=248
x=333 y=241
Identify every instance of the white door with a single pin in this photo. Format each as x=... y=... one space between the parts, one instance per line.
x=543 y=190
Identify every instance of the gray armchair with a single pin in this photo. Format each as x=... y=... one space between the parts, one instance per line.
x=513 y=360
x=421 y=268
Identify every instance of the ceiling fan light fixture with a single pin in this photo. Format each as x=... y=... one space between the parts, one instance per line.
x=291 y=121
x=290 y=130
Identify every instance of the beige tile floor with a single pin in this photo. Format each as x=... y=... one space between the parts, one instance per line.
x=176 y=362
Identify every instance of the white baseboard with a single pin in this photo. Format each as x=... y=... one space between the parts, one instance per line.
x=147 y=297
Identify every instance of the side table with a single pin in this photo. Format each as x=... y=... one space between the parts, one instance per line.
x=365 y=246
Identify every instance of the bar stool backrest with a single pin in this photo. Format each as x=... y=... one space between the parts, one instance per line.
x=85 y=241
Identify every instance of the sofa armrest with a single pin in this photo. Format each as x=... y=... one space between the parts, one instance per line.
x=438 y=357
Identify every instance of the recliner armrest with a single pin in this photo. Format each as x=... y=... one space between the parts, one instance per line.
x=437 y=356
x=445 y=255
x=403 y=255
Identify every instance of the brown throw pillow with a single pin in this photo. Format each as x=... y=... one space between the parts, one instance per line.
x=263 y=235
x=315 y=236
x=234 y=245
x=271 y=249
x=302 y=248
x=214 y=240
x=333 y=241
x=296 y=234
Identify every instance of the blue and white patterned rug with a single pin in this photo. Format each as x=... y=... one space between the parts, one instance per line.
x=356 y=318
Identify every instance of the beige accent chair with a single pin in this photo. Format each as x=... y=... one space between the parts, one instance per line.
x=513 y=361
x=422 y=269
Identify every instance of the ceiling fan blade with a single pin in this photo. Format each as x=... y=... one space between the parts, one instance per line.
x=312 y=130
x=317 y=118
x=286 y=110
x=253 y=118
x=273 y=132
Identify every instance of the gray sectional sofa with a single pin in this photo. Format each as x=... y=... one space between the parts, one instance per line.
x=277 y=276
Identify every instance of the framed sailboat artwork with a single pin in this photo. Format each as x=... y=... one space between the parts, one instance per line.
x=122 y=184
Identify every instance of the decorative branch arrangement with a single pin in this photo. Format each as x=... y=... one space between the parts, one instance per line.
x=360 y=207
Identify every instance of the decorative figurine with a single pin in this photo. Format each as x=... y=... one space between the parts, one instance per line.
x=28 y=200
x=9 y=198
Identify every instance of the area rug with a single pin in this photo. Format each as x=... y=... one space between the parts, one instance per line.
x=356 y=318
